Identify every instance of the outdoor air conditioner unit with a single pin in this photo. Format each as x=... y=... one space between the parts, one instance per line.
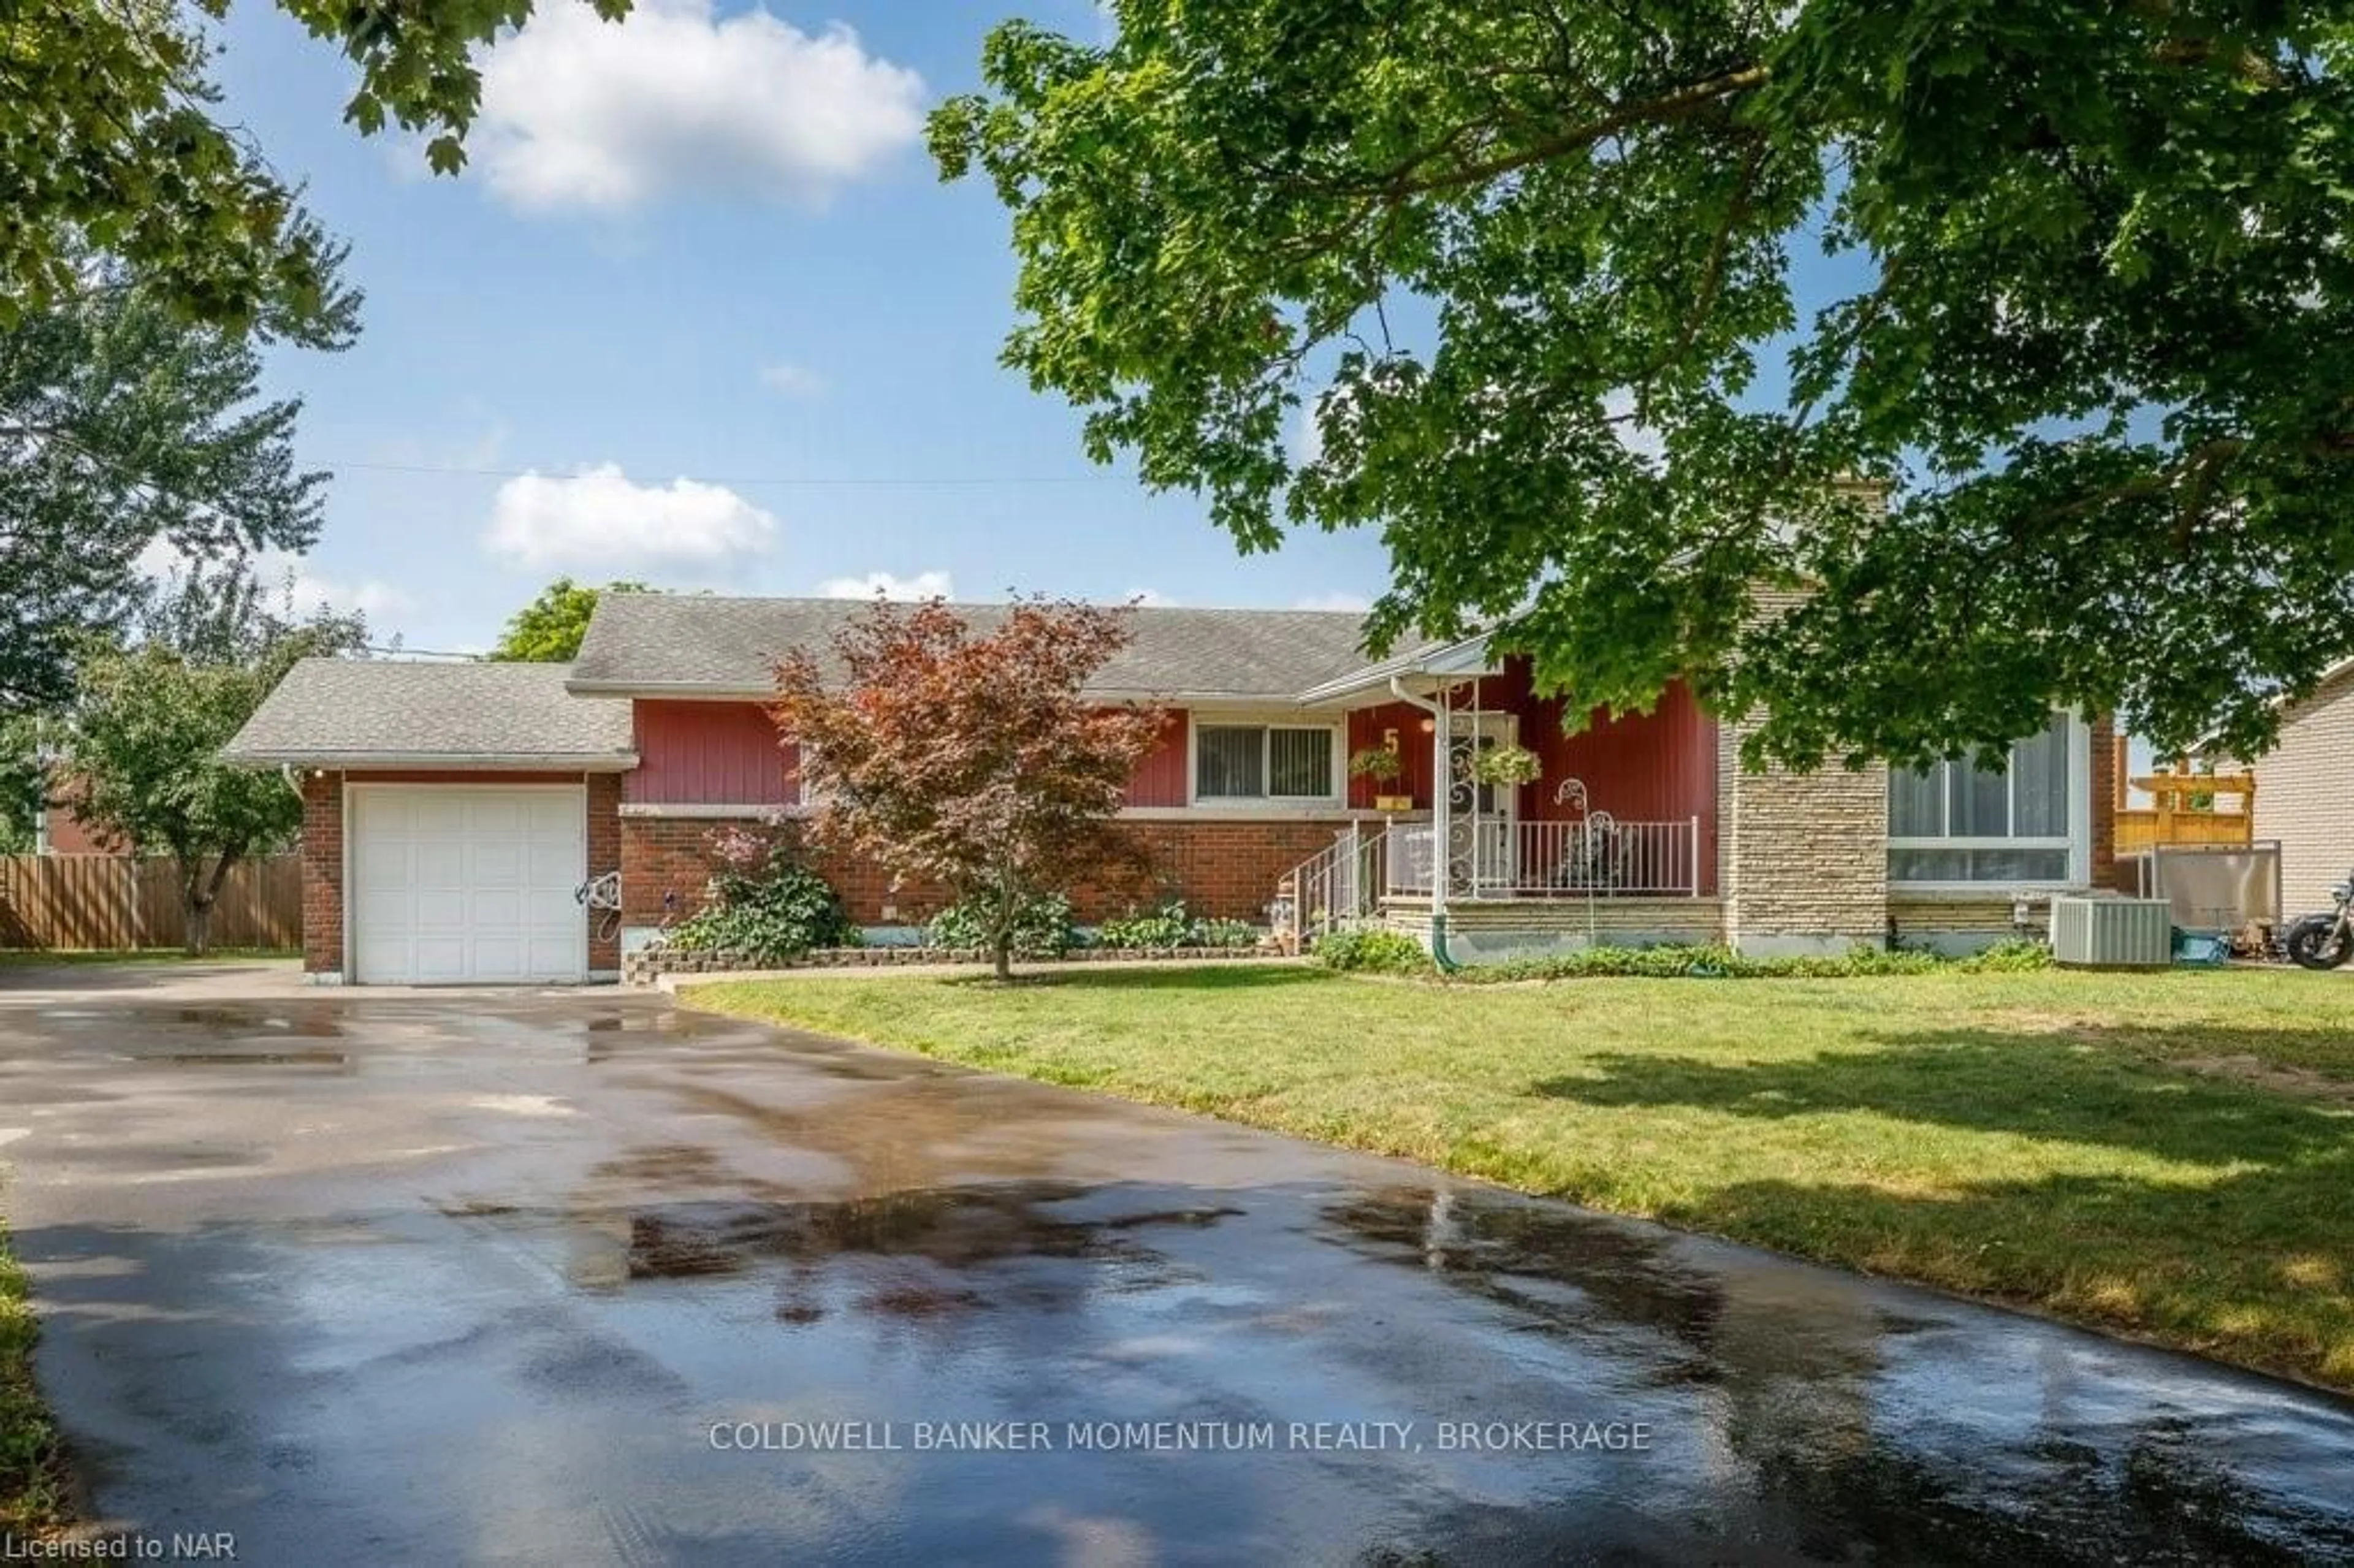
x=2113 y=933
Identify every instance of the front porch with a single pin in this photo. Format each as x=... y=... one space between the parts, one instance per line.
x=1512 y=822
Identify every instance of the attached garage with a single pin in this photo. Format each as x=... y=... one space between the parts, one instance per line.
x=461 y=822
x=454 y=884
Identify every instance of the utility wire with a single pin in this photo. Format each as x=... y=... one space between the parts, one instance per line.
x=746 y=481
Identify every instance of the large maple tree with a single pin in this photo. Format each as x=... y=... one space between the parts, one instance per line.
x=967 y=756
x=1593 y=309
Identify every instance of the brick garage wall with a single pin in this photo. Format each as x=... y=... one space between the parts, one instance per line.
x=604 y=857
x=1227 y=870
x=2305 y=796
x=322 y=851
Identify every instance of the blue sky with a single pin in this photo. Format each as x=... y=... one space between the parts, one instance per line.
x=706 y=246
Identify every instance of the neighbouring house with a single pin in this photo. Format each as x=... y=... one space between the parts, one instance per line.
x=58 y=829
x=459 y=818
x=2305 y=792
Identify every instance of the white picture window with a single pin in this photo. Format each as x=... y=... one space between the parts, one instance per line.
x=1965 y=822
x=1262 y=762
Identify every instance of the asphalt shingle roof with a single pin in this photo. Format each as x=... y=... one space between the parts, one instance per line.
x=341 y=710
x=695 y=642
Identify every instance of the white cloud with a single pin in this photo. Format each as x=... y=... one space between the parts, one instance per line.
x=1339 y=600
x=922 y=585
x=599 y=520
x=1149 y=598
x=793 y=380
x=586 y=114
x=305 y=590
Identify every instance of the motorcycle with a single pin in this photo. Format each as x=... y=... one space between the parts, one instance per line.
x=2324 y=941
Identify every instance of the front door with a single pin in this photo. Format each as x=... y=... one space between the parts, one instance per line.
x=1480 y=839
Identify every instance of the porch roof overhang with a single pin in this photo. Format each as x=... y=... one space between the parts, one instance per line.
x=1444 y=662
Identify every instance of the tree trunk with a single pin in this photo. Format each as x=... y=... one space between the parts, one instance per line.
x=198 y=894
x=1001 y=936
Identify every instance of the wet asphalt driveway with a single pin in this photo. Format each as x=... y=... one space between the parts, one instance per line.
x=579 y=1278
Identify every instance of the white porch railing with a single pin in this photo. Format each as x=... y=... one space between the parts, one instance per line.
x=1335 y=888
x=1552 y=860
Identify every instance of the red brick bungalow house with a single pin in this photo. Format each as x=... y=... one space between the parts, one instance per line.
x=457 y=815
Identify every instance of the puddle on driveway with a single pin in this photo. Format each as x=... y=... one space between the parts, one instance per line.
x=940 y=1247
x=335 y=1059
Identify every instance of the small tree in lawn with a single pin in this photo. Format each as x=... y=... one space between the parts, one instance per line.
x=969 y=758
x=142 y=740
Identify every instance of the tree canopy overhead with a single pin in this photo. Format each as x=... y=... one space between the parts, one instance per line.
x=2068 y=282
x=109 y=139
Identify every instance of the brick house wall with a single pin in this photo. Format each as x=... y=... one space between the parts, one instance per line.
x=2304 y=795
x=1227 y=870
x=2104 y=869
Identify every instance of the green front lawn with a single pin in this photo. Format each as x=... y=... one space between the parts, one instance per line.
x=2170 y=1156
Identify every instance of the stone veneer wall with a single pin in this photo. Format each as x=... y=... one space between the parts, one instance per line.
x=1486 y=930
x=1803 y=856
x=1964 y=922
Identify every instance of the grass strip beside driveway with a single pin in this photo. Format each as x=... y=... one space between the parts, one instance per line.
x=31 y=1496
x=2170 y=1156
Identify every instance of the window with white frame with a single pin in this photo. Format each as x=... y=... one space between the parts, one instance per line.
x=1262 y=762
x=1965 y=821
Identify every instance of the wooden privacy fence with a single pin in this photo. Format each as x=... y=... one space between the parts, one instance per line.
x=101 y=901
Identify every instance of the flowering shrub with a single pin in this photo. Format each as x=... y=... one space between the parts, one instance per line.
x=763 y=903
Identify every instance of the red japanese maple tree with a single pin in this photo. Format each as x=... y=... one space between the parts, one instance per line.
x=966 y=755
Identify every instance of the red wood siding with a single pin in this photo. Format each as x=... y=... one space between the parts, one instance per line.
x=709 y=754
x=729 y=754
x=1367 y=727
x=1160 y=777
x=1658 y=767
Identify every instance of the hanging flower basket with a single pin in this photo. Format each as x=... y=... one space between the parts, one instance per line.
x=1381 y=763
x=1384 y=766
x=1506 y=766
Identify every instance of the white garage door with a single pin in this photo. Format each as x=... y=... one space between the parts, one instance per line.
x=452 y=886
